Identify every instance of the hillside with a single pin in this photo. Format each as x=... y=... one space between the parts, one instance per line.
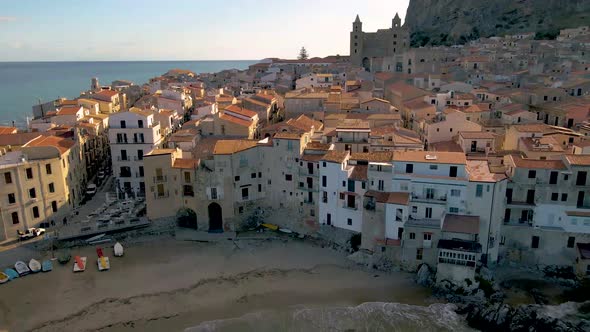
x=447 y=22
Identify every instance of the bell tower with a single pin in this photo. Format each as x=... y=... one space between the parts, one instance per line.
x=356 y=42
x=396 y=22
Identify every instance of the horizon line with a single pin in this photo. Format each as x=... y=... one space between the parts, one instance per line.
x=218 y=60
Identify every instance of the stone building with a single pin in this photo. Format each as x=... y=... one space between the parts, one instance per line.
x=367 y=49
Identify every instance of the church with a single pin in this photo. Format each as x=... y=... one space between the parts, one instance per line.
x=382 y=50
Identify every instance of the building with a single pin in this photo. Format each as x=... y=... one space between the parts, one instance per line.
x=132 y=134
x=367 y=48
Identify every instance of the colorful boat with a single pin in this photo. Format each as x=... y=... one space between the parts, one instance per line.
x=22 y=268
x=118 y=250
x=34 y=265
x=270 y=226
x=46 y=266
x=79 y=264
x=11 y=273
x=3 y=278
x=102 y=262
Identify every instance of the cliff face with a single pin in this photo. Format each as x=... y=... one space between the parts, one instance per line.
x=456 y=21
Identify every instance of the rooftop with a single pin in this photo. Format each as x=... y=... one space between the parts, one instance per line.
x=225 y=147
x=62 y=144
x=431 y=157
x=335 y=156
x=459 y=245
x=399 y=198
x=456 y=223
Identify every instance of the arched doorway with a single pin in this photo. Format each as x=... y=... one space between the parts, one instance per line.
x=367 y=64
x=215 y=218
x=186 y=218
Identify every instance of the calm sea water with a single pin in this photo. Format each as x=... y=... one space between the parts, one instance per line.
x=23 y=84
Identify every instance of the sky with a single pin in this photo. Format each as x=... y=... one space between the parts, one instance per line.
x=118 y=30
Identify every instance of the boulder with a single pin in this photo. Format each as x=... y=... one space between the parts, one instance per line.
x=424 y=276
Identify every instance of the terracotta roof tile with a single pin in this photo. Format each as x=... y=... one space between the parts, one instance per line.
x=335 y=156
x=399 y=198
x=536 y=164
x=578 y=159
x=460 y=224
x=232 y=146
x=359 y=173
x=62 y=144
x=186 y=163
x=430 y=157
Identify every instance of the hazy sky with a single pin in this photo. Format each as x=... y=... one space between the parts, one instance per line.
x=70 y=30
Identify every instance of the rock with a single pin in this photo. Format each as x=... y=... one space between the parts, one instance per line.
x=457 y=21
x=538 y=296
x=360 y=258
x=486 y=273
x=424 y=276
x=497 y=297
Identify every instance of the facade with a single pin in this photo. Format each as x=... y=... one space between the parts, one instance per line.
x=366 y=48
x=132 y=135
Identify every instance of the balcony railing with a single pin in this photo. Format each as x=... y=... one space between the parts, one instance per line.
x=305 y=172
x=160 y=179
x=429 y=199
x=124 y=175
x=122 y=158
x=137 y=158
x=355 y=207
x=427 y=243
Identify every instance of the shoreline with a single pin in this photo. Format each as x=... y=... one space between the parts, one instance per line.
x=172 y=284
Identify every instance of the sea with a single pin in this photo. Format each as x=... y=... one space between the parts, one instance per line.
x=24 y=84
x=370 y=316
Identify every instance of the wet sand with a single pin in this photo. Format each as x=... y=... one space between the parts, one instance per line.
x=167 y=284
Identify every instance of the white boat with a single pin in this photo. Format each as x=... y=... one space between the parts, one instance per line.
x=4 y=277
x=34 y=265
x=79 y=264
x=285 y=230
x=95 y=238
x=118 y=250
x=103 y=263
x=22 y=268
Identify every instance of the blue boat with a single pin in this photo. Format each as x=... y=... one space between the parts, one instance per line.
x=11 y=273
x=46 y=266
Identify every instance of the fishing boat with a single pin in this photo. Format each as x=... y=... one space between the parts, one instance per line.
x=34 y=265
x=79 y=264
x=11 y=273
x=64 y=258
x=102 y=262
x=118 y=250
x=22 y=268
x=285 y=230
x=270 y=226
x=46 y=266
x=3 y=278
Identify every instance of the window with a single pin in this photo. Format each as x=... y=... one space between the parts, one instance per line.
x=571 y=241
x=141 y=174
x=427 y=236
x=244 y=193
x=455 y=192
x=259 y=188
x=187 y=177
x=414 y=209
x=14 y=218
x=140 y=123
x=324 y=181
x=479 y=190
x=453 y=210
x=253 y=175
x=453 y=172
x=213 y=193
x=428 y=213
x=51 y=187
x=323 y=164
x=48 y=168
x=11 y=198
x=343 y=183
x=363 y=185
x=419 y=253
x=381 y=185
x=554 y=197
x=123 y=154
x=7 y=177
x=532 y=174
x=54 y=206
x=409 y=168
x=123 y=124
x=139 y=154
x=237 y=178
x=412 y=236
x=535 y=242
x=349 y=222
x=553 y=178
x=288 y=177
x=429 y=193
x=240 y=209
x=433 y=167
x=35 y=212
x=581 y=179
x=32 y=193
x=564 y=197
x=29 y=173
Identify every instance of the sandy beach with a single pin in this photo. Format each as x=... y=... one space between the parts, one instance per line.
x=173 y=285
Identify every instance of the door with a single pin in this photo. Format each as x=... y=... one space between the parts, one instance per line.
x=453 y=172
x=400 y=232
x=581 y=195
x=530 y=197
x=309 y=168
x=329 y=219
x=310 y=197
x=524 y=216
x=473 y=146
x=509 y=195
x=310 y=183
x=215 y=218
x=507 y=215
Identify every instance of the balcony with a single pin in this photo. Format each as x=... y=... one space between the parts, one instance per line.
x=426 y=243
x=123 y=158
x=305 y=172
x=137 y=158
x=429 y=199
x=306 y=188
x=138 y=175
x=350 y=207
x=310 y=202
x=160 y=179
x=161 y=195
x=125 y=174
x=514 y=203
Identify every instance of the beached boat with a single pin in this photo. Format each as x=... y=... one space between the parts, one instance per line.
x=22 y=268
x=285 y=230
x=3 y=278
x=11 y=273
x=46 y=266
x=270 y=226
x=34 y=265
x=118 y=250
x=102 y=262
x=79 y=264
x=64 y=258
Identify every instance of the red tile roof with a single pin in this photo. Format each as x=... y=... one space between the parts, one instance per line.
x=62 y=144
x=455 y=223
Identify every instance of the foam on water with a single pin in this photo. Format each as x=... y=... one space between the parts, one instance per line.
x=372 y=316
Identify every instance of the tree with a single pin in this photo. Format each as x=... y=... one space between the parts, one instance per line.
x=303 y=54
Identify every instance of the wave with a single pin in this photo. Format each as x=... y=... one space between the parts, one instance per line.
x=370 y=316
